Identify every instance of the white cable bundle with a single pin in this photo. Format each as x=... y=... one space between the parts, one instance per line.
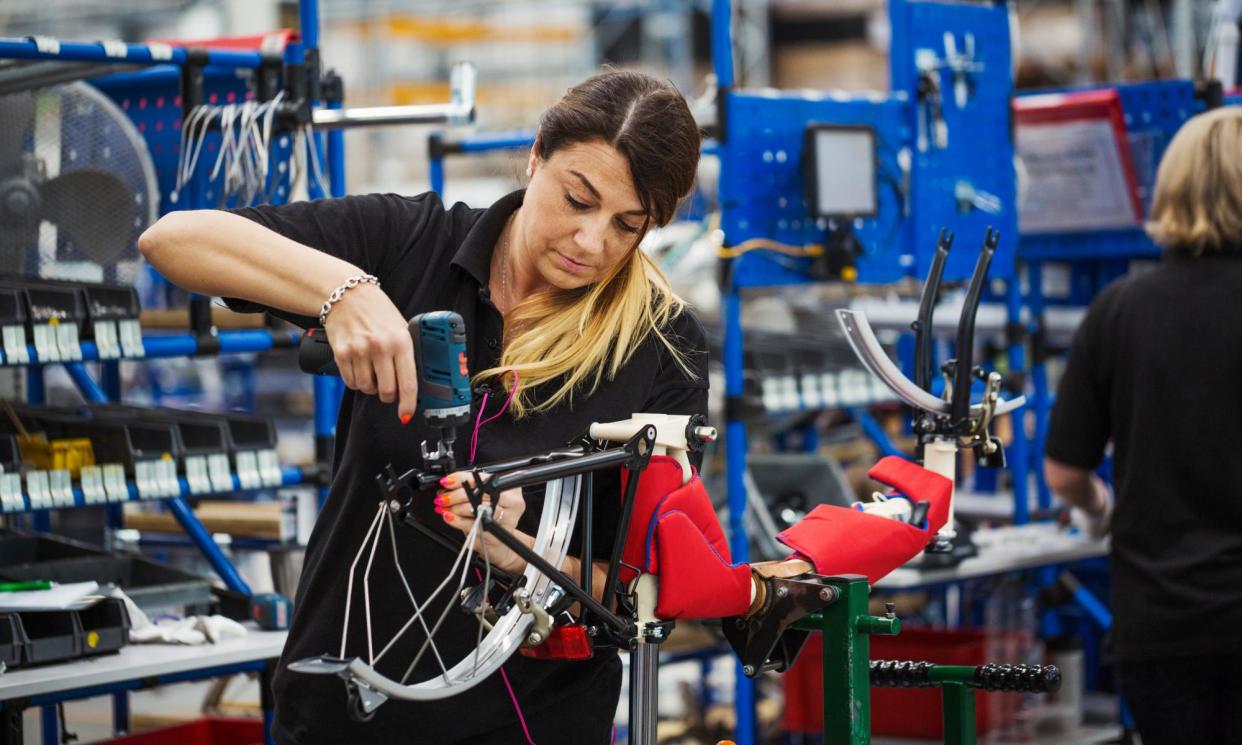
x=244 y=162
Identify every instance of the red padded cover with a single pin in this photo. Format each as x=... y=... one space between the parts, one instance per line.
x=675 y=535
x=840 y=540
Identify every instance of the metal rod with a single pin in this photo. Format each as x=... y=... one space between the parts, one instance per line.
x=197 y=533
x=43 y=48
x=42 y=74
x=185 y=345
x=644 y=700
x=962 y=377
x=91 y=390
x=923 y=337
x=538 y=474
x=618 y=543
x=374 y=116
x=588 y=525
x=557 y=576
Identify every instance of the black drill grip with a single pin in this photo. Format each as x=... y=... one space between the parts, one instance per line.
x=315 y=354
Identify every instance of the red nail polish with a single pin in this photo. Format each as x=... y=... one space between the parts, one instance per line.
x=405 y=418
x=442 y=500
x=449 y=517
x=439 y=510
x=448 y=482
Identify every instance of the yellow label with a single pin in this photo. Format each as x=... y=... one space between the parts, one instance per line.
x=167 y=456
x=53 y=321
x=92 y=639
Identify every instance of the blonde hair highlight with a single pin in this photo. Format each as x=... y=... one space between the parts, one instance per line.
x=1197 y=205
x=576 y=339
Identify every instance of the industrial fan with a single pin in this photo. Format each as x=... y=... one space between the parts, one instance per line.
x=77 y=186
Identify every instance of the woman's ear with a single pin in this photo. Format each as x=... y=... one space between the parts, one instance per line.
x=532 y=163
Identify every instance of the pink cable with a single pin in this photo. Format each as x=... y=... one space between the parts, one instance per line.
x=479 y=421
x=474 y=446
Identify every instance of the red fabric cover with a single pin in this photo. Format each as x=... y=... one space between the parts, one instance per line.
x=674 y=534
x=840 y=540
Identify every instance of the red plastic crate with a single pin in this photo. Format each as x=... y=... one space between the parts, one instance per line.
x=206 y=731
x=906 y=712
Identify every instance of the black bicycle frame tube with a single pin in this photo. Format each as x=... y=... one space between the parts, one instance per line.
x=924 y=337
x=962 y=375
x=564 y=581
x=623 y=530
x=588 y=524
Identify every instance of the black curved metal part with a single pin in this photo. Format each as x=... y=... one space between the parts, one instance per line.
x=767 y=640
x=922 y=326
x=962 y=374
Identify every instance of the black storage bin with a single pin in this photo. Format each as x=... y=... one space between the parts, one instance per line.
x=148 y=584
x=12 y=640
x=52 y=636
x=23 y=548
x=26 y=557
x=105 y=627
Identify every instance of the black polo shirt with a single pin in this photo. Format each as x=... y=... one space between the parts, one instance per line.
x=429 y=258
x=1156 y=367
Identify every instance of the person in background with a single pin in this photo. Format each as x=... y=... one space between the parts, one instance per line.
x=1156 y=369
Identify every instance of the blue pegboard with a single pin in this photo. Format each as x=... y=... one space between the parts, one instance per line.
x=151 y=98
x=980 y=145
x=1154 y=111
x=761 y=181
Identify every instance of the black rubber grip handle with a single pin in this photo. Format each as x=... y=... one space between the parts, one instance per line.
x=1024 y=678
x=990 y=677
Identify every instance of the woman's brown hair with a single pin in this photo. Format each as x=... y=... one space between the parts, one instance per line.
x=576 y=339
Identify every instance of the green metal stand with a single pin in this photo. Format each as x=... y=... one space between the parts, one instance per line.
x=849 y=672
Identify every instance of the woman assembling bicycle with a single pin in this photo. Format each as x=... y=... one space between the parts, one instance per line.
x=569 y=324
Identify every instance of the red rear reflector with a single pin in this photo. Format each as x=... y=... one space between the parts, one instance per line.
x=564 y=643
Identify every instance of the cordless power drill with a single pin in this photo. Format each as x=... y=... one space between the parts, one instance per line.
x=443 y=380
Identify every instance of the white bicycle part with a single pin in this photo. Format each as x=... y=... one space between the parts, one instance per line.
x=869 y=350
x=505 y=636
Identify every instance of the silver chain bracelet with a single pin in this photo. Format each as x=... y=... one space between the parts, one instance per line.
x=339 y=293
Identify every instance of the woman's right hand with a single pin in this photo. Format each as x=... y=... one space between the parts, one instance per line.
x=371 y=342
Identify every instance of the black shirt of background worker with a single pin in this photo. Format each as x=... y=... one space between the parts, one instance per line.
x=1156 y=367
x=430 y=258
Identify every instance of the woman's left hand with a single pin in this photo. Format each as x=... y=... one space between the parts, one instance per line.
x=453 y=505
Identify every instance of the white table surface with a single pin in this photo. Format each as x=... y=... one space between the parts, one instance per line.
x=136 y=661
x=1005 y=549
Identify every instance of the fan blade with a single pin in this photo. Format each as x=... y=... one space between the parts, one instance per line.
x=16 y=119
x=95 y=208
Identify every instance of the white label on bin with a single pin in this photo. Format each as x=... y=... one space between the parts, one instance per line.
x=828 y=390
x=248 y=470
x=45 y=343
x=11 y=493
x=269 y=468
x=68 y=342
x=114 y=482
x=166 y=472
x=131 y=338
x=93 y=491
x=15 y=349
x=196 y=475
x=147 y=480
x=220 y=473
x=811 y=398
x=60 y=484
x=106 y=341
x=38 y=489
